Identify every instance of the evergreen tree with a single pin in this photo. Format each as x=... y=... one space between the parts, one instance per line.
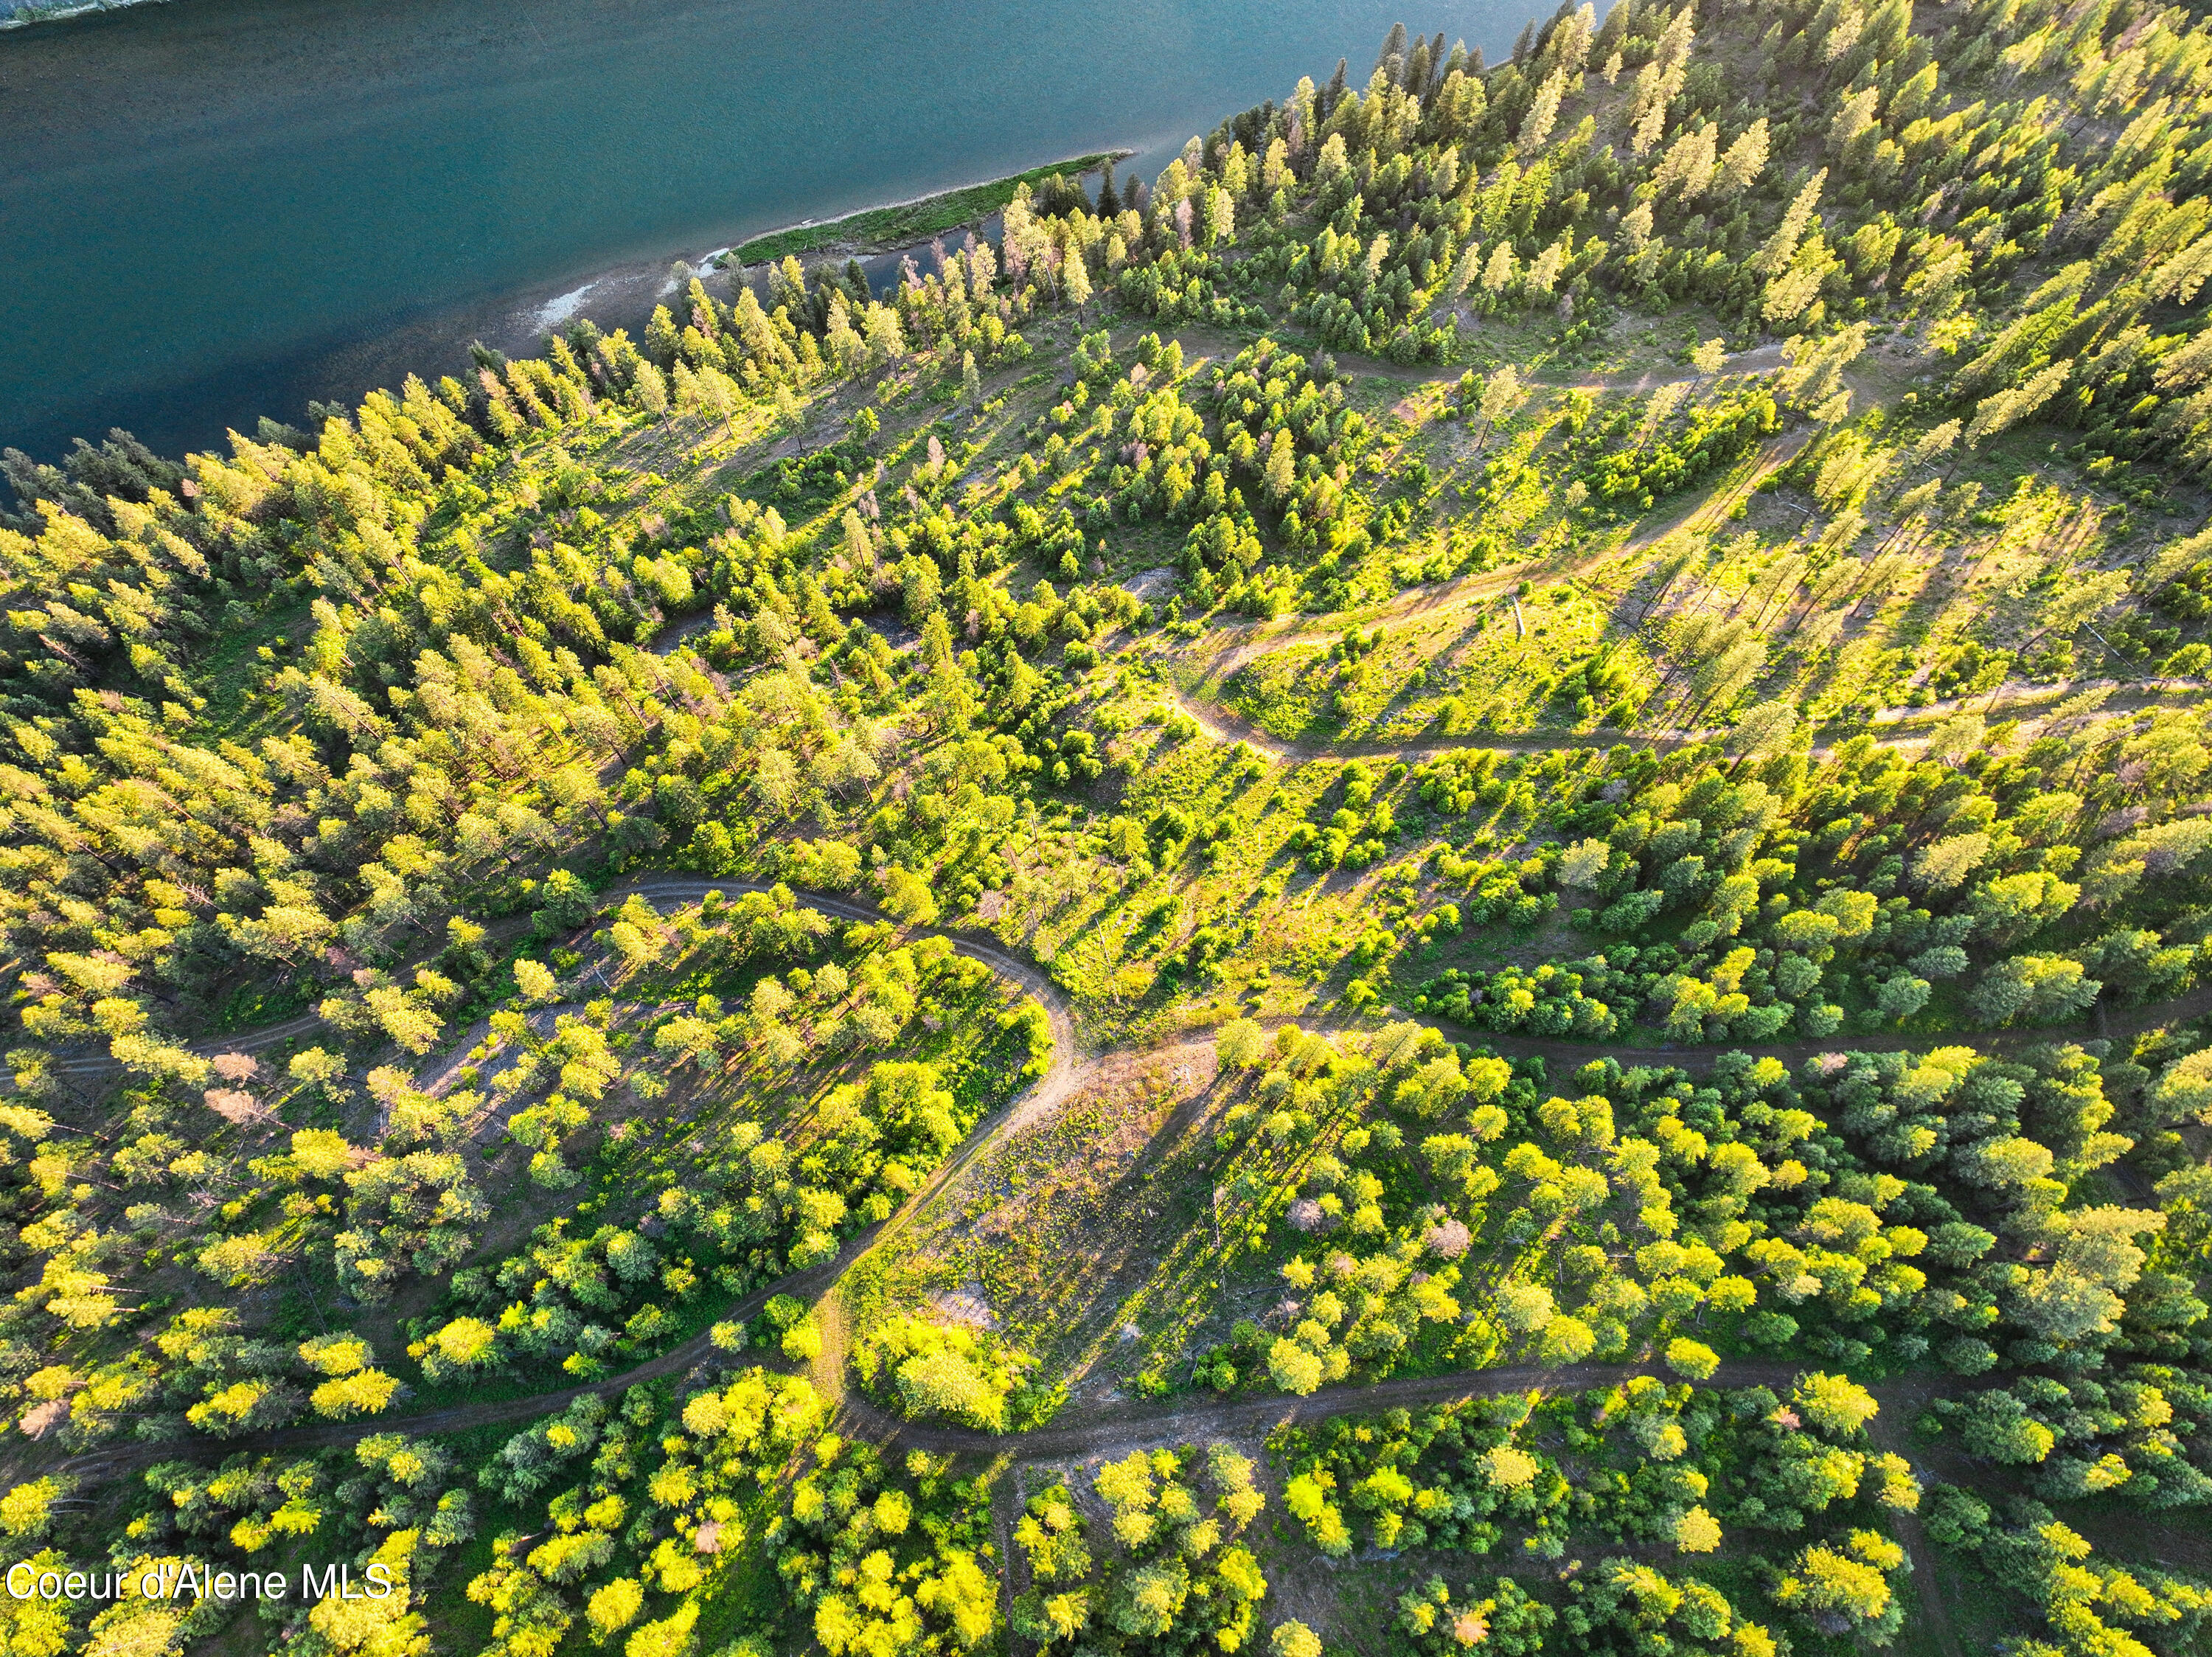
x=1391 y=60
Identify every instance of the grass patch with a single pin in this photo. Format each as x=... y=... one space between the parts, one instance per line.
x=252 y=1005
x=878 y=228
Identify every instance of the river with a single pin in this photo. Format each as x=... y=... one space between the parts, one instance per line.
x=211 y=210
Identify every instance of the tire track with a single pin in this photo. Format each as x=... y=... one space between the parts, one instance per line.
x=1888 y=1432
x=1900 y=727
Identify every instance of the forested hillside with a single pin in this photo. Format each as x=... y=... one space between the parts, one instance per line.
x=1446 y=884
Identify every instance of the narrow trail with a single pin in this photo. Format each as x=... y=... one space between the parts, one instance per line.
x=1110 y=1434
x=1230 y=728
x=1234 y=644
x=1134 y=1426
x=1901 y=727
x=1236 y=641
x=677 y=889
x=1760 y=359
x=1129 y=1425
x=1888 y=1432
x=1069 y=1066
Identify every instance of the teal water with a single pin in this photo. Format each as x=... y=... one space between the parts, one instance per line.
x=214 y=208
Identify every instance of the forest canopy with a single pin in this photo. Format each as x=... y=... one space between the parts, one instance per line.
x=1473 y=838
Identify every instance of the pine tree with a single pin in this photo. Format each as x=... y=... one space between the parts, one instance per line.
x=1745 y=160
x=1464 y=272
x=1416 y=80
x=1498 y=271
x=714 y=386
x=1282 y=467
x=1502 y=394
x=1394 y=45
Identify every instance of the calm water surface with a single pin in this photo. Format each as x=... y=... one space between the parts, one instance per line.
x=211 y=209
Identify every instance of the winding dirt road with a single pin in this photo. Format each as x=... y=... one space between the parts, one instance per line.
x=1901 y=727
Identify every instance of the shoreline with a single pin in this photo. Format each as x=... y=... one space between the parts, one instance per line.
x=618 y=296
x=317 y=175
x=623 y=286
x=25 y=16
x=821 y=235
